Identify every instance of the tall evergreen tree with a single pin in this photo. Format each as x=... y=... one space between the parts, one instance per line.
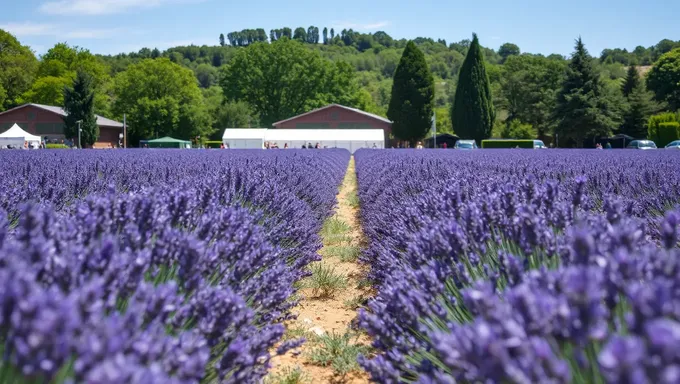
x=631 y=82
x=325 y=35
x=222 y=39
x=472 y=112
x=79 y=106
x=583 y=108
x=412 y=104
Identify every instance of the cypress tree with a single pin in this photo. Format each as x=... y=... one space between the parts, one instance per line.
x=583 y=109
x=412 y=104
x=472 y=112
x=79 y=105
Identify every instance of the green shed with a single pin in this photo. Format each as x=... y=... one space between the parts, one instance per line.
x=165 y=142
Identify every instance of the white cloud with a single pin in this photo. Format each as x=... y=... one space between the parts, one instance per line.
x=102 y=7
x=57 y=31
x=359 y=26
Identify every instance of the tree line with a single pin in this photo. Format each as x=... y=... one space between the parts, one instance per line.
x=195 y=91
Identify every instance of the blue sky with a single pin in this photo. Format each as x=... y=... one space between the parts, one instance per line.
x=113 y=26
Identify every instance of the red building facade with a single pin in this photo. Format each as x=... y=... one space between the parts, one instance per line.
x=335 y=116
x=47 y=122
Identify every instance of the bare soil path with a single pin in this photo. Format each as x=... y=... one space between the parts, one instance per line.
x=330 y=298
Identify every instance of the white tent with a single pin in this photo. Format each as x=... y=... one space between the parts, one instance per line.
x=16 y=137
x=244 y=138
x=350 y=139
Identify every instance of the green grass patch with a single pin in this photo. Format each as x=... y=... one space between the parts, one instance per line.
x=289 y=376
x=325 y=282
x=353 y=199
x=356 y=302
x=346 y=253
x=339 y=351
x=334 y=232
x=296 y=332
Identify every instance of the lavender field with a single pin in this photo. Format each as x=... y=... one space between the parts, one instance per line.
x=522 y=266
x=155 y=266
x=498 y=266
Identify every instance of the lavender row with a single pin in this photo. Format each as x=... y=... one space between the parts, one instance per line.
x=155 y=266
x=522 y=266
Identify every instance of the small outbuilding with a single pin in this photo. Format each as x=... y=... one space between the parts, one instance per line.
x=165 y=142
x=442 y=138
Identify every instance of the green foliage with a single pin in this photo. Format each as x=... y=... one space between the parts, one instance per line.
x=664 y=79
x=508 y=49
x=528 y=89
x=283 y=79
x=473 y=113
x=79 y=106
x=18 y=67
x=517 y=130
x=48 y=90
x=57 y=146
x=227 y=114
x=491 y=144
x=339 y=351
x=324 y=282
x=655 y=131
x=631 y=82
x=346 y=253
x=584 y=107
x=638 y=108
x=160 y=98
x=289 y=376
x=411 y=104
x=668 y=132
x=334 y=231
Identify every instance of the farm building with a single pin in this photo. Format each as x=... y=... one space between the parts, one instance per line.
x=335 y=116
x=47 y=122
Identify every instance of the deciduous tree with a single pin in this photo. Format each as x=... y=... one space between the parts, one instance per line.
x=508 y=49
x=18 y=67
x=412 y=103
x=664 y=79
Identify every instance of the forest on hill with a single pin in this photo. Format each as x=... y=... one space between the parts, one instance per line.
x=189 y=91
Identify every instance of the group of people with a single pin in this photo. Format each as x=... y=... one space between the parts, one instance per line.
x=599 y=146
x=268 y=145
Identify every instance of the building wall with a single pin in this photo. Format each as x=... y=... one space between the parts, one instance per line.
x=43 y=123
x=336 y=118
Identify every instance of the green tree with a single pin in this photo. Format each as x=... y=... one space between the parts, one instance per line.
x=584 y=107
x=300 y=35
x=325 y=35
x=528 y=89
x=664 y=79
x=283 y=79
x=631 y=82
x=79 y=106
x=222 y=42
x=160 y=98
x=508 y=49
x=18 y=67
x=412 y=102
x=206 y=75
x=518 y=130
x=473 y=112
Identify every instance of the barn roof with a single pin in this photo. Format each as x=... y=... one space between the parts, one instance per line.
x=371 y=115
x=101 y=120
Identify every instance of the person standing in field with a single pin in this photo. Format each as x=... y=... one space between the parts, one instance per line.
x=445 y=145
x=419 y=145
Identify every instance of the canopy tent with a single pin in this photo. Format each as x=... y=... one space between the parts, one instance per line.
x=442 y=138
x=244 y=138
x=17 y=137
x=165 y=142
x=350 y=139
x=619 y=139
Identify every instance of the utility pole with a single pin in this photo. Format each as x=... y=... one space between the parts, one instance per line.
x=124 y=132
x=79 y=130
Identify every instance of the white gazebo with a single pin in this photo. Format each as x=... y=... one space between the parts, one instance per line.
x=17 y=137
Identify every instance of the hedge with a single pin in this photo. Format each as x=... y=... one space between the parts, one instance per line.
x=57 y=146
x=668 y=132
x=507 y=144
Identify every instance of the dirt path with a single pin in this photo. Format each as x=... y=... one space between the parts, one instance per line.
x=329 y=305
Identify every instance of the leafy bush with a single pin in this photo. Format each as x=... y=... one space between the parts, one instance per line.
x=654 y=124
x=517 y=130
x=490 y=144
x=57 y=146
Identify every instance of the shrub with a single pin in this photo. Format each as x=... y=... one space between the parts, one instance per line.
x=507 y=143
x=668 y=132
x=517 y=130
x=324 y=281
x=654 y=124
x=57 y=146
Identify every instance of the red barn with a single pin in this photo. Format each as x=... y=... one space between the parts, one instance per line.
x=47 y=122
x=335 y=116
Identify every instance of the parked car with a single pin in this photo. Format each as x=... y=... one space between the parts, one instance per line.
x=641 y=144
x=465 y=144
x=673 y=145
x=538 y=144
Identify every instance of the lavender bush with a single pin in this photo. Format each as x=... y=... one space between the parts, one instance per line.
x=155 y=266
x=522 y=266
